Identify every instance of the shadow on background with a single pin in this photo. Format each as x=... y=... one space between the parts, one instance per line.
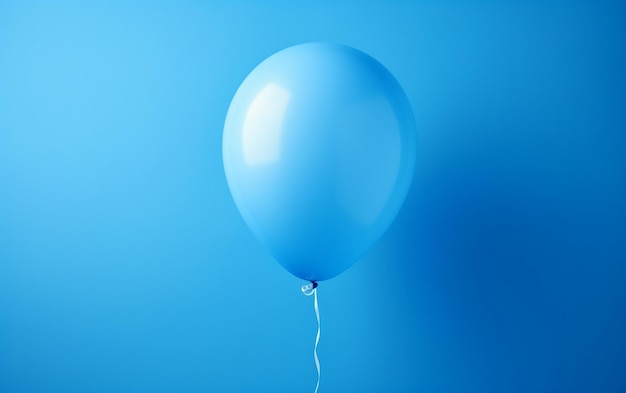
x=512 y=242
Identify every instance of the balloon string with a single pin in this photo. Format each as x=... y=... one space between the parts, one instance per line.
x=308 y=290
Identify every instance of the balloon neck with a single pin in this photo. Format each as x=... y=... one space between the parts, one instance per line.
x=309 y=289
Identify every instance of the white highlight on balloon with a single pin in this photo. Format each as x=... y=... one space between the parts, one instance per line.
x=263 y=124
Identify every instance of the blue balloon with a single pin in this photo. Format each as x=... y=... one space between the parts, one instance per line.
x=319 y=151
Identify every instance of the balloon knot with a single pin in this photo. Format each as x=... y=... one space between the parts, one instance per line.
x=309 y=289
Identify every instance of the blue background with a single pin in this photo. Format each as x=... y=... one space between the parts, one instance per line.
x=125 y=267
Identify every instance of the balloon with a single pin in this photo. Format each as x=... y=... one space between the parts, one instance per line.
x=319 y=150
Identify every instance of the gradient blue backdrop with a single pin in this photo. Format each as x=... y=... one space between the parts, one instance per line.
x=125 y=267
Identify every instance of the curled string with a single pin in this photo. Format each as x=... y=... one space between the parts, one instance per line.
x=308 y=290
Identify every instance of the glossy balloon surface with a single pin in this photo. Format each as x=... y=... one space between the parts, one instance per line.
x=319 y=150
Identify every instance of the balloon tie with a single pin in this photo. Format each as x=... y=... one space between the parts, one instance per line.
x=308 y=290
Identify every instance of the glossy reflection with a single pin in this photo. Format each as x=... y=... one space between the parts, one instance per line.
x=263 y=124
x=319 y=149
